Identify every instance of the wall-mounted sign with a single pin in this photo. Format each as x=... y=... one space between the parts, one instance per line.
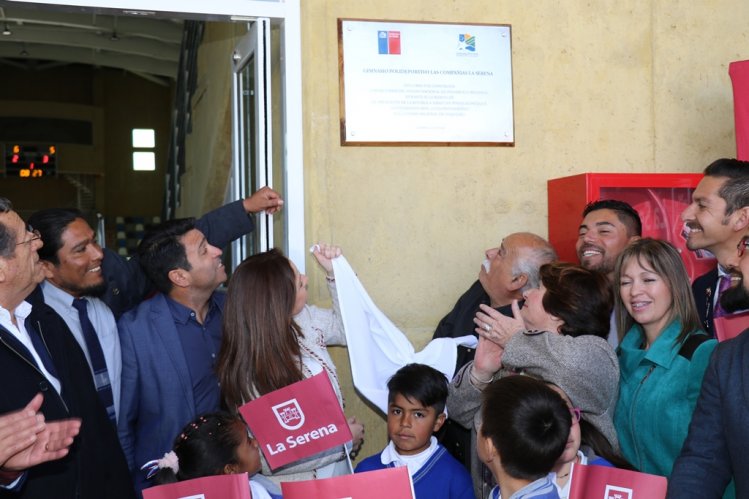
x=30 y=160
x=405 y=83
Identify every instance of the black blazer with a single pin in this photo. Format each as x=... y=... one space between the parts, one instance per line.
x=704 y=288
x=95 y=468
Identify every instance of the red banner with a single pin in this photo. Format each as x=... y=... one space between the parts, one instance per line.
x=393 y=483
x=613 y=483
x=209 y=487
x=297 y=421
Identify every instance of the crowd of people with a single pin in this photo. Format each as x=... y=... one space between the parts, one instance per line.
x=610 y=361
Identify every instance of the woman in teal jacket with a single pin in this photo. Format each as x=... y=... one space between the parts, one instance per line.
x=662 y=357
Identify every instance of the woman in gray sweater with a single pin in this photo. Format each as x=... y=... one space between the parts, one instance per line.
x=559 y=336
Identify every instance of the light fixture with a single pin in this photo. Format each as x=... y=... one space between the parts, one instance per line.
x=7 y=31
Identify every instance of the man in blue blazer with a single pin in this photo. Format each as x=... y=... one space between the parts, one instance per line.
x=170 y=343
x=715 y=450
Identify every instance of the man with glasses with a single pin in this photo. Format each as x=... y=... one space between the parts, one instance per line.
x=714 y=452
x=38 y=354
x=715 y=221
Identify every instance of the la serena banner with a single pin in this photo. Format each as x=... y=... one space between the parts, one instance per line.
x=207 y=487
x=613 y=483
x=297 y=421
x=393 y=483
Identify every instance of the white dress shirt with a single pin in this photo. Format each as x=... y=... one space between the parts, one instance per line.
x=102 y=319
x=21 y=312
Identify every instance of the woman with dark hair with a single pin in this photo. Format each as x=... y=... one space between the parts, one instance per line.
x=559 y=335
x=272 y=338
x=663 y=355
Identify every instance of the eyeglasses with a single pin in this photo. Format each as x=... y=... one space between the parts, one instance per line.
x=577 y=414
x=743 y=244
x=35 y=235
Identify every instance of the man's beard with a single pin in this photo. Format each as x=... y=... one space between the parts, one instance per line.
x=94 y=290
x=735 y=298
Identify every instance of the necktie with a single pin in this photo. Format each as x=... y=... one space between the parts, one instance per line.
x=723 y=284
x=95 y=353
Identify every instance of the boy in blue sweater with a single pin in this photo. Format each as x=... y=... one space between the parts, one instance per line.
x=416 y=405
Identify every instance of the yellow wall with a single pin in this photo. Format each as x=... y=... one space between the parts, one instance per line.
x=208 y=145
x=598 y=86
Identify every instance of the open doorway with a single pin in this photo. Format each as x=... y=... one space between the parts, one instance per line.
x=285 y=128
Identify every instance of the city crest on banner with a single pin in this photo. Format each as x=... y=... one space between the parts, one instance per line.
x=297 y=421
x=612 y=483
x=396 y=482
x=209 y=487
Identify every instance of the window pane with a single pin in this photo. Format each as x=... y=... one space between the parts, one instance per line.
x=144 y=161
x=144 y=137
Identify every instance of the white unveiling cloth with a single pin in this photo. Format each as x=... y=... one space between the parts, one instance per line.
x=376 y=347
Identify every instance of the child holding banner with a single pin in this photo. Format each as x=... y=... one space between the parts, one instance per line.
x=213 y=444
x=416 y=405
x=272 y=338
x=524 y=430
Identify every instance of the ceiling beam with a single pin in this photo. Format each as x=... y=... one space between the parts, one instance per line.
x=67 y=37
x=135 y=64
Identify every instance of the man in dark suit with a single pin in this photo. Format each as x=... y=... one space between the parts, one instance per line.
x=716 y=220
x=170 y=343
x=715 y=451
x=38 y=354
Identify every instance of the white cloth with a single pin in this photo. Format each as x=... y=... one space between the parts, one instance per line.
x=376 y=348
x=21 y=312
x=414 y=462
x=102 y=319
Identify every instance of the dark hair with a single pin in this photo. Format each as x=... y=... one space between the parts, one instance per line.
x=7 y=238
x=663 y=259
x=624 y=212
x=735 y=190
x=422 y=383
x=204 y=447
x=51 y=223
x=591 y=437
x=259 y=348
x=581 y=298
x=527 y=422
x=162 y=251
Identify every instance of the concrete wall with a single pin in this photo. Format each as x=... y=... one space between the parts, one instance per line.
x=598 y=87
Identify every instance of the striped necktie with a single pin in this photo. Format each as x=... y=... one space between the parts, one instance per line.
x=96 y=354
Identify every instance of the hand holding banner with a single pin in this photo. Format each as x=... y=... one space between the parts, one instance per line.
x=613 y=483
x=209 y=487
x=393 y=483
x=297 y=421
